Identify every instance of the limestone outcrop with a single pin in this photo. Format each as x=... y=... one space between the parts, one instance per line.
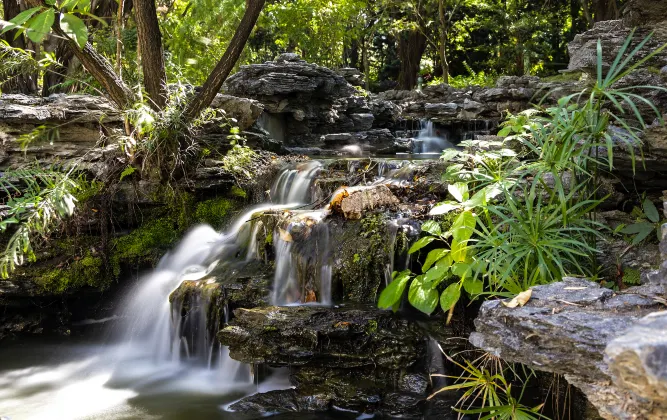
x=313 y=108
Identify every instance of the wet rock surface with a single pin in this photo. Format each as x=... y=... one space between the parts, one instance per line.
x=351 y=357
x=564 y=329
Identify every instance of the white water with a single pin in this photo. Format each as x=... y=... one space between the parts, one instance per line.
x=294 y=185
x=431 y=140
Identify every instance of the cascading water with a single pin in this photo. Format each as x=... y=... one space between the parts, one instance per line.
x=293 y=185
x=158 y=340
x=431 y=140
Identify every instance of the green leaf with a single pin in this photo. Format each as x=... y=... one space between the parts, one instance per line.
x=74 y=28
x=646 y=229
x=449 y=154
x=477 y=200
x=473 y=286
x=127 y=172
x=464 y=226
x=461 y=269
x=422 y=295
x=436 y=274
x=650 y=211
x=459 y=191
x=450 y=296
x=432 y=227
x=421 y=243
x=20 y=19
x=40 y=26
x=444 y=208
x=636 y=228
x=393 y=292
x=434 y=256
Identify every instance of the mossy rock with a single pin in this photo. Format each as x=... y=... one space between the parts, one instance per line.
x=144 y=245
x=215 y=212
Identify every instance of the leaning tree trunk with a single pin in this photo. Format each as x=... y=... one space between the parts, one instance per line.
x=152 y=59
x=227 y=62
x=19 y=83
x=411 y=46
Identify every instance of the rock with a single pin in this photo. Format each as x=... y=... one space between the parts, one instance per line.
x=244 y=110
x=644 y=13
x=564 y=329
x=353 y=76
x=354 y=202
x=638 y=364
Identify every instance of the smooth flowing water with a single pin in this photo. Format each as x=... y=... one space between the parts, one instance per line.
x=430 y=139
x=157 y=363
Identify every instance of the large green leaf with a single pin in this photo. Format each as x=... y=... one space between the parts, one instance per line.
x=450 y=296
x=459 y=191
x=433 y=257
x=421 y=243
x=422 y=295
x=473 y=286
x=40 y=26
x=436 y=274
x=432 y=227
x=20 y=19
x=650 y=211
x=393 y=292
x=74 y=28
x=464 y=226
x=444 y=208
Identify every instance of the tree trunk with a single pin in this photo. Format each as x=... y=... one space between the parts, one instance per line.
x=149 y=39
x=442 y=50
x=227 y=62
x=587 y=12
x=101 y=70
x=367 y=67
x=411 y=46
x=21 y=83
x=605 y=10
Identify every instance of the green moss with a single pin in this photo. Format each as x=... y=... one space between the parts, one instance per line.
x=365 y=254
x=372 y=327
x=214 y=212
x=269 y=238
x=145 y=244
x=86 y=271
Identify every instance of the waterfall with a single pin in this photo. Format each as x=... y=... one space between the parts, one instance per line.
x=431 y=140
x=293 y=185
x=303 y=261
x=158 y=339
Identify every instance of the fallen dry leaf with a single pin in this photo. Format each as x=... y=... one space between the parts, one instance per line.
x=519 y=300
x=285 y=235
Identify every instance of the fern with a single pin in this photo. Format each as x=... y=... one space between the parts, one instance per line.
x=37 y=201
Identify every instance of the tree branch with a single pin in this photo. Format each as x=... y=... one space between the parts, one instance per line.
x=227 y=62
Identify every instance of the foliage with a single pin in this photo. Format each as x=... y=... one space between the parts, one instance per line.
x=540 y=227
x=37 y=200
x=487 y=391
x=36 y=22
x=647 y=223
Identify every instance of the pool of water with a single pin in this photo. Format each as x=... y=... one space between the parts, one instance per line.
x=71 y=379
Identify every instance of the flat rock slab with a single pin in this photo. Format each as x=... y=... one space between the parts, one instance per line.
x=323 y=337
x=564 y=329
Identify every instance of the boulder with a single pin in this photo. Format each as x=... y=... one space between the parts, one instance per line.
x=245 y=111
x=354 y=202
x=564 y=329
x=638 y=364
